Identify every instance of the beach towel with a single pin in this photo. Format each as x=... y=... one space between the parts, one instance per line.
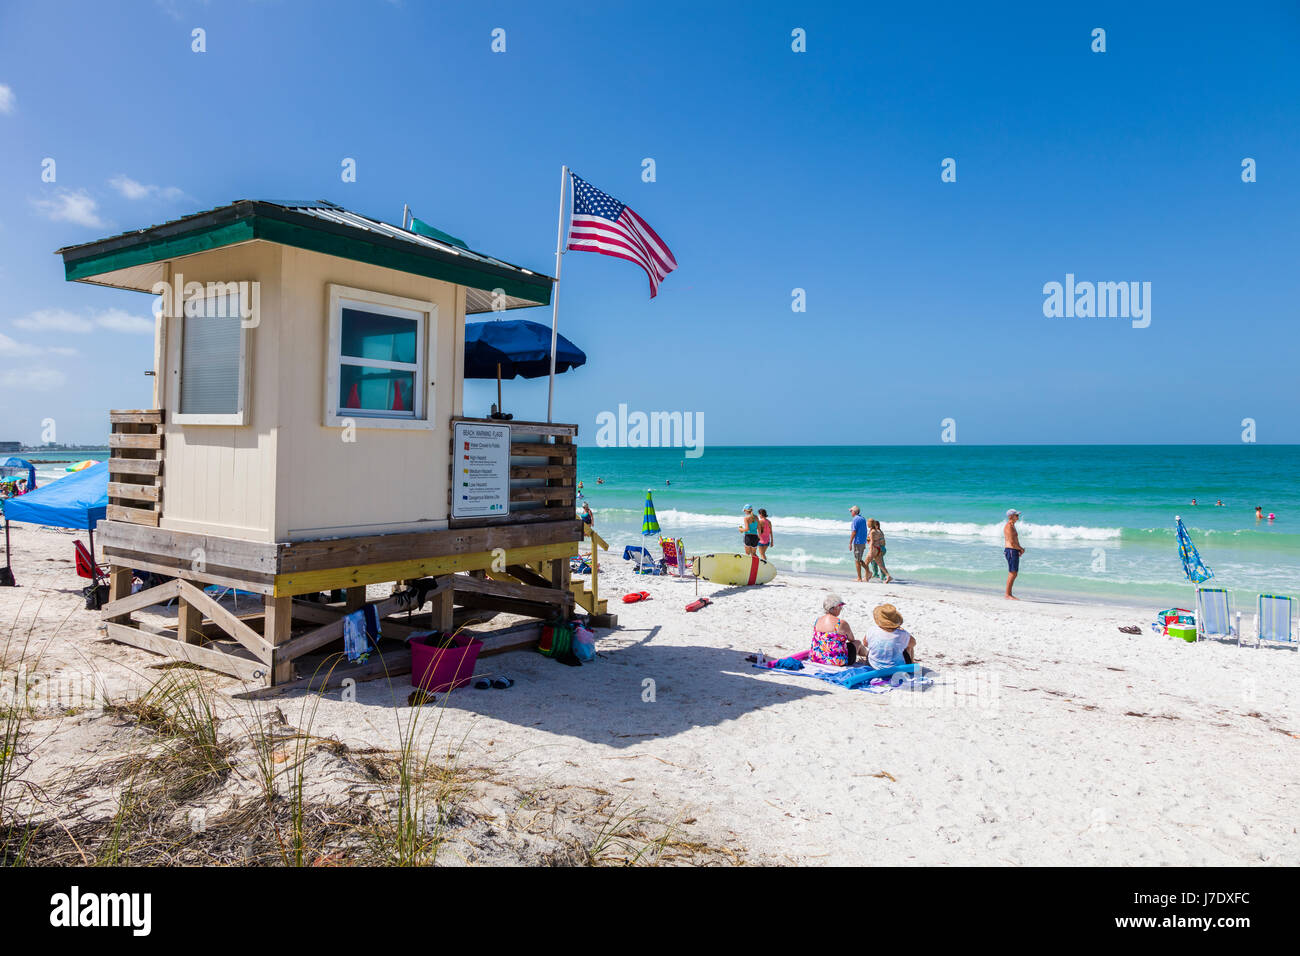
x=360 y=634
x=902 y=677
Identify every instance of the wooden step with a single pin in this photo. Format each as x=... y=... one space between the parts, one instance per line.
x=135 y=416
x=119 y=489
x=134 y=466
x=148 y=441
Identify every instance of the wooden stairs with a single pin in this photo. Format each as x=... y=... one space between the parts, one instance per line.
x=589 y=597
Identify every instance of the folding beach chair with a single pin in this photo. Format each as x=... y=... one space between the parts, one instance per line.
x=96 y=593
x=1273 y=617
x=86 y=566
x=1213 y=614
x=669 y=548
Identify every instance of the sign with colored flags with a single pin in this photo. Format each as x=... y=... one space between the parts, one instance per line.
x=602 y=224
x=1193 y=566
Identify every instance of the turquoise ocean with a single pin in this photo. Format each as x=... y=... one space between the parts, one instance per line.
x=1098 y=521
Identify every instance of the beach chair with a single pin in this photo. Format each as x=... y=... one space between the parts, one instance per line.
x=1273 y=616
x=86 y=566
x=1213 y=614
x=669 y=548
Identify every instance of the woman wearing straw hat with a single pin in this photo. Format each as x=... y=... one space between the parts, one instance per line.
x=888 y=645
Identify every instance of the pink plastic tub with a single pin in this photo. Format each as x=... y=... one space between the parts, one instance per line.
x=437 y=669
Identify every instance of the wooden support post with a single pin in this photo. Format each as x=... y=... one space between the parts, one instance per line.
x=444 y=608
x=119 y=586
x=356 y=598
x=189 y=622
x=277 y=630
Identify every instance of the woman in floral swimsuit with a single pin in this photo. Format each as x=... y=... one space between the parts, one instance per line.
x=833 y=641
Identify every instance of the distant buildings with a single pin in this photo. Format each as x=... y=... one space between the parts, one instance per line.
x=6 y=447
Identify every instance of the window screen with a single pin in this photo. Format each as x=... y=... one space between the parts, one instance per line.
x=210 y=353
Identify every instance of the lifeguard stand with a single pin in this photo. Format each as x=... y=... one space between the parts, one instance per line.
x=308 y=436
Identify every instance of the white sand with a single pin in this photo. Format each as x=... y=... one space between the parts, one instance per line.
x=1049 y=736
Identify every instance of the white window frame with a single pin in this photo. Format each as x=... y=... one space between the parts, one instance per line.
x=426 y=353
x=240 y=417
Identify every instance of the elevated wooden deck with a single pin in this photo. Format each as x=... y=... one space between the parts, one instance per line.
x=516 y=562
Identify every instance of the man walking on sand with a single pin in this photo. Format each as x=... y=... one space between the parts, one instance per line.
x=858 y=541
x=1012 y=550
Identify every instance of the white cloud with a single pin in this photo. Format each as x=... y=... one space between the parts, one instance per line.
x=12 y=347
x=69 y=206
x=131 y=189
x=119 y=320
x=35 y=378
x=6 y=99
x=63 y=320
x=54 y=320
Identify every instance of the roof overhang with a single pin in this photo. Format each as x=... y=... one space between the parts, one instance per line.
x=137 y=260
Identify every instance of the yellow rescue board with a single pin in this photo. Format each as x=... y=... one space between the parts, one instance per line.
x=734 y=569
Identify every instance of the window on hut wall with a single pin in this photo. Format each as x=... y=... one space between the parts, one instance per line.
x=379 y=362
x=380 y=355
x=212 y=387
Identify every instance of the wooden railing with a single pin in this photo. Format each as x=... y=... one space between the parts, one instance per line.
x=135 y=468
x=590 y=597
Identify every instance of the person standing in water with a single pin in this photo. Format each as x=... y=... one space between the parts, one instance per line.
x=749 y=529
x=858 y=541
x=1011 y=550
x=876 y=554
x=764 y=534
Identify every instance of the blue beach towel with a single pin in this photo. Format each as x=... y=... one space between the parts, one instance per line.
x=361 y=634
x=908 y=676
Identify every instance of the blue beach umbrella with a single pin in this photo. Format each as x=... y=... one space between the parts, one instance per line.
x=516 y=347
x=1193 y=566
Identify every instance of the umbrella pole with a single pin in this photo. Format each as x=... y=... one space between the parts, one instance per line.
x=500 y=409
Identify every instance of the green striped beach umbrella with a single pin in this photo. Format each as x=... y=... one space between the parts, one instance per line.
x=649 y=523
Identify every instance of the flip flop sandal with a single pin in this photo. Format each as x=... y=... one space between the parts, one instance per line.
x=1131 y=630
x=496 y=683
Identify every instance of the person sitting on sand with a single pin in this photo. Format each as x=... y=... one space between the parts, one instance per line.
x=888 y=645
x=876 y=556
x=833 y=642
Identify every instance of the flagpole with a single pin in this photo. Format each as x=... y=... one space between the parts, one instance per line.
x=555 y=293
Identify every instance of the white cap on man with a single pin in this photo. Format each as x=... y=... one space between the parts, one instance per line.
x=1012 y=511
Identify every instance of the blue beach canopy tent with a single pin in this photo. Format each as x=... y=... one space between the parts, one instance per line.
x=77 y=501
x=14 y=467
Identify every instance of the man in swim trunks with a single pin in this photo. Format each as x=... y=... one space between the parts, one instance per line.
x=858 y=542
x=1012 y=550
x=749 y=528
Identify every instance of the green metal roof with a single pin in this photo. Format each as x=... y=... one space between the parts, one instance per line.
x=319 y=227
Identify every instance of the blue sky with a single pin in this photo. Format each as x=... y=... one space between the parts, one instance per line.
x=775 y=170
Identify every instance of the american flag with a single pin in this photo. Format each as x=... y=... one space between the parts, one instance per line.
x=603 y=224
